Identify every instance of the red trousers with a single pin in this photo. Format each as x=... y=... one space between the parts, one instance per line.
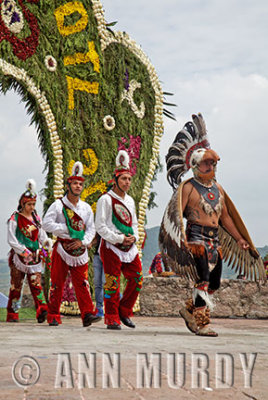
x=132 y=271
x=16 y=282
x=59 y=271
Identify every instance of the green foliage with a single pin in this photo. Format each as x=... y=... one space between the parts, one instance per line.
x=24 y=314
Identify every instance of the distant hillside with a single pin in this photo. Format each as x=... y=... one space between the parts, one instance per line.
x=151 y=248
x=263 y=251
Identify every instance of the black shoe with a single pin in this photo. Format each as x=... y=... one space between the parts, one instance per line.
x=114 y=326
x=90 y=319
x=127 y=321
x=42 y=317
x=54 y=323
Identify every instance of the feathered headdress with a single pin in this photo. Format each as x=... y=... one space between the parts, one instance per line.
x=122 y=167
x=193 y=136
x=29 y=194
x=122 y=163
x=77 y=172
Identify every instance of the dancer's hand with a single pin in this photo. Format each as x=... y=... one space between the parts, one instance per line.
x=128 y=240
x=74 y=244
x=243 y=244
x=29 y=258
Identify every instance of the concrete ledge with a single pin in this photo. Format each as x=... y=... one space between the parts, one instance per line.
x=235 y=298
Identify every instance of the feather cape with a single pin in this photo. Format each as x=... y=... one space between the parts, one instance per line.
x=172 y=239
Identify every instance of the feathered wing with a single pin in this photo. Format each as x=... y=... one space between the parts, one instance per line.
x=245 y=262
x=171 y=240
x=172 y=236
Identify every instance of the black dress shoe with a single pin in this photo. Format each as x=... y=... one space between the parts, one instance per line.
x=114 y=326
x=127 y=321
x=54 y=323
x=42 y=317
x=90 y=319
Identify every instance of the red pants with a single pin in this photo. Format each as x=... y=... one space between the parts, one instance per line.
x=59 y=271
x=132 y=272
x=16 y=282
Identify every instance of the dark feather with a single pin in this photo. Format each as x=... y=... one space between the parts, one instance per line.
x=245 y=262
x=170 y=244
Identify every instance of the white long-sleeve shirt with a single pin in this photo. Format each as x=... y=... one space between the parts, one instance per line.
x=20 y=248
x=55 y=223
x=108 y=231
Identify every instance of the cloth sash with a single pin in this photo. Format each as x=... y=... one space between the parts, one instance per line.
x=75 y=253
x=122 y=219
x=76 y=228
x=27 y=234
x=75 y=223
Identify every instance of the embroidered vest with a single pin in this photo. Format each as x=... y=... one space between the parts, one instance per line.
x=76 y=229
x=27 y=234
x=122 y=219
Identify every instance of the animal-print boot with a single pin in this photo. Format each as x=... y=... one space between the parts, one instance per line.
x=187 y=314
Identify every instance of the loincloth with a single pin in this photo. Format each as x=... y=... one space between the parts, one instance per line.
x=203 y=239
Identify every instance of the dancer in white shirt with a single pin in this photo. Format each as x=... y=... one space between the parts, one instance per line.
x=71 y=220
x=27 y=240
x=116 y=223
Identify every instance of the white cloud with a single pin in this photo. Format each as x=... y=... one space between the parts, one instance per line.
x=20 y=159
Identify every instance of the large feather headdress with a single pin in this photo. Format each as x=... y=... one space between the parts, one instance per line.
x=172 y=236
x=193 y=136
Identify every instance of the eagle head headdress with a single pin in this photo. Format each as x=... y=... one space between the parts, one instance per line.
x=190 y=147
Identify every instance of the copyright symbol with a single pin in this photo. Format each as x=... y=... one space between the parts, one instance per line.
x=25 y=371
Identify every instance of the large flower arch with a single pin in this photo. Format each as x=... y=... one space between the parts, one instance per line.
x=91 y=91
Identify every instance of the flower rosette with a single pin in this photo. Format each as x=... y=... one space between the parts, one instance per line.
x=103 y=94
x=51 y=63
x=13 y=18
x=109 y=122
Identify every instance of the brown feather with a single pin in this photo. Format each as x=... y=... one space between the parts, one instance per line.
x=247 y=264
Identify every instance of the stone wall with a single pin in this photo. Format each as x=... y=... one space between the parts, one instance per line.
x=236 y=298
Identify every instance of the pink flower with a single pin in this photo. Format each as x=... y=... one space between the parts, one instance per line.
x=133 y=150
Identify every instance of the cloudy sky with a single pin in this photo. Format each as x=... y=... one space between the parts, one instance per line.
x=212 y=55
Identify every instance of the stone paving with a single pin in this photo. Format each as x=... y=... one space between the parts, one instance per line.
x=159 y=359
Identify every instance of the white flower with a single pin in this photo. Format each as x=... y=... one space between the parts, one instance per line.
x=51 y=63
x=109 y=122
x=128 y=95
